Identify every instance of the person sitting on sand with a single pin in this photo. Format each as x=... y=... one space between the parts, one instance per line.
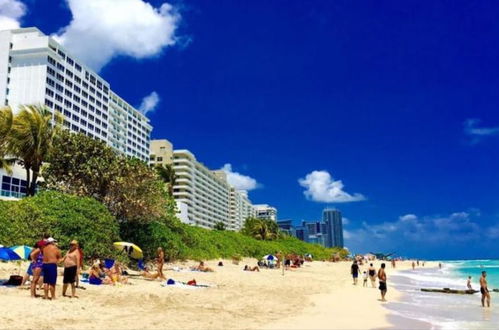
x=251 y=269
x=202 y=268
x=148 y=275
x=116 y=274
x=94 y=276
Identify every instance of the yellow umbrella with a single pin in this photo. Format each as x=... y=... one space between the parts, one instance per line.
x=132 y=250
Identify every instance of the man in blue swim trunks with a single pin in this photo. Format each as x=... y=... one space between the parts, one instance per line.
x=51 y=256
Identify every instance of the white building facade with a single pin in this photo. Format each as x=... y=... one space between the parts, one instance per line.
x=35 y=69
x=265 y=211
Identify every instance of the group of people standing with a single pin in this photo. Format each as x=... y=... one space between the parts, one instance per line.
x=45 y=257
x=371 y=274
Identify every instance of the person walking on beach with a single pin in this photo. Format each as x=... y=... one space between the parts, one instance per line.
x=484 y=290
x=382 y=281
x=355 y=272
x=160 y=259
x=71 y=266
x=51 y=256
x=468 y=283
x=372 y=275
x=413 y=265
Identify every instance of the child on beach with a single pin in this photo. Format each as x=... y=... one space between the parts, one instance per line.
x=364 y=276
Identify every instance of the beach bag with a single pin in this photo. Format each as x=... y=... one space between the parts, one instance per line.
x=192 y=282
x=170 y=282
x=14 y=280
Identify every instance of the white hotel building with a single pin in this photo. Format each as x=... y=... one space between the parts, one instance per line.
x=35 y=69
x=204 y=197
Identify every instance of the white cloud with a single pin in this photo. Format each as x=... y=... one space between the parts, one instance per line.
x=103 y=29
x=11 y=12
x=412 y=233
x=477 y=133
x=320 y=187
x=239 y=181
x=149 y=103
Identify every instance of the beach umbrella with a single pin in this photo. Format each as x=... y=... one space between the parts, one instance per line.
x=22 y=251
x=269 y=257
x=132 y=250
x=8 y=254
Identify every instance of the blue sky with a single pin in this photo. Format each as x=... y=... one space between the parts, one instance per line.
x=387 y=111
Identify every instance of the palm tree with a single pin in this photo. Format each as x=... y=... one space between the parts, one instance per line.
x=5 y=127
x=30 y=140
x=261 y=229
x=167 y=175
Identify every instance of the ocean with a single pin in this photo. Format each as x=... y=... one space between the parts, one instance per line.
x=445 y=311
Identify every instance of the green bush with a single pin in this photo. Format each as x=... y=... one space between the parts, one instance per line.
x=63 y=216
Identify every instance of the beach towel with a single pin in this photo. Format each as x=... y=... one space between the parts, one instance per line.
x=184 y=285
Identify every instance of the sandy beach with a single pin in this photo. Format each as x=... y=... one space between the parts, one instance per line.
x=318 y=296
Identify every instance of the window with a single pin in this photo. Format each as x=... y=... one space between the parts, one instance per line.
x=76 y=89
x=67 y=113
x=93 y=80
x=76 y=98
x=90 y=127
x=69 y=83
x=76 y=108
x=91 y=108
x=84 y=84
x=105 y=100
x=160 y=159
x=69 y=73
x=91 y=117
x=60 y=77
x=68 y=104
x=68 y=93
x=98 y=103
x=78 y=79
x=58 y=97
x=78 y=67
x=97 y=130
x=87 y=75
x=51 y=60
x=83 y=113
x=98 y=112
x=50 y=82
x=99 y=85
x=52 y=47
x=84 y=103
x=49 y=92
x=92 y=90
x=49 y=103
x=61 y=53
x=98 y=121
x=75 y=118
x=51 y=71
x=59 y=88
x=83 y=123
x=69 y=61
x=91 y=98
x=75 y=128
x=57 y=107
x=84 y=94
x=60 y=67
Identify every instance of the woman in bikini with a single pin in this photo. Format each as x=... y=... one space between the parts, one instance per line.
x=37 y=256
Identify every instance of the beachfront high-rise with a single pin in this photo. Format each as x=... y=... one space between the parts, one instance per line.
x=334 y=227
x=161 y=152
x=203 y=196
x=36 y=69
x=265 y=211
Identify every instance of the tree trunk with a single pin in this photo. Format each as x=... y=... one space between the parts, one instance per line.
x=32 y=188
x=28 y=180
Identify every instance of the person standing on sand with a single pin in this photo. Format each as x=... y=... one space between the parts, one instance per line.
x=372 y=275
x=440 y=265
x=355 y=272
x=393 y=263
x=160 y=259
x=36 y=256
x=413 y=265
x=484 y=290
x=382 y=281
x=71 y=266
x=51 y=256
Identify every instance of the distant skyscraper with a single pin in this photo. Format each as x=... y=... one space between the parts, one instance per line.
x=334 y=227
